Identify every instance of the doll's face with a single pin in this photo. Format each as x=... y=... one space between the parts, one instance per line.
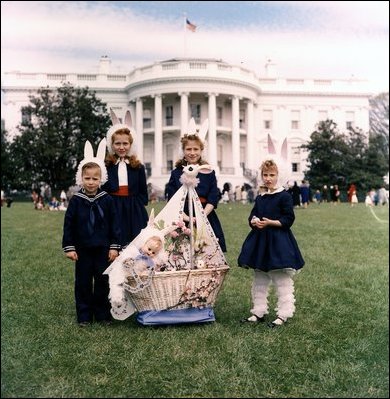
x=151 y=247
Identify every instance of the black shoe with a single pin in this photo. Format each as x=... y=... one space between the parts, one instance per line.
x=83 y=324
x=258 y=319
x=105 y=322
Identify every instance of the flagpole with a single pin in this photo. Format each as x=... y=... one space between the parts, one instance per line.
x=185 y=35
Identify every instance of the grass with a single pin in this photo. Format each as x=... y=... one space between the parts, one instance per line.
x=335 y=346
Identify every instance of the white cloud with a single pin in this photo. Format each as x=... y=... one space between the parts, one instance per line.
x=337 y=41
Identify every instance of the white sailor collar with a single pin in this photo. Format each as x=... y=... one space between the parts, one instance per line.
x=125 y=161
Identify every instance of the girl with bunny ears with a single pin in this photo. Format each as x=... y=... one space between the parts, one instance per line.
x=126 y=179
x=207 y=189
x=270 y=248
x=91 y=237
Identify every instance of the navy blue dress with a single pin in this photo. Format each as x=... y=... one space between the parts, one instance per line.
x=208 y=193
x=272 y=248
x=131 y=210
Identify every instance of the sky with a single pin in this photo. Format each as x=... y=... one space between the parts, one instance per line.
x=311 y=39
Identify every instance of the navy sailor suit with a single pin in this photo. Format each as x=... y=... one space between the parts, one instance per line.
x=91 y=228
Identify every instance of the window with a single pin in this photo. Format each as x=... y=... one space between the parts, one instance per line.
x=147 y=119
x=169 y=163
x=295 y=167
x=169 y=115
x=242 y=118
x=148 y=169
x=195 y=112
x=295 y=119
x=26 y=116
x=350 y=119
x=267 y=119
x=294 y=125
x=219 y=115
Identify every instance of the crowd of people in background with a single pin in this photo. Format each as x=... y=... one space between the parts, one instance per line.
x=45 y=201
x=302 y=195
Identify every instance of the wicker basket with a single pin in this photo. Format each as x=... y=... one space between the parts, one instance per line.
x=179 y=289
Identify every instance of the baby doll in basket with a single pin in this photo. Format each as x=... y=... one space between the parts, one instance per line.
x=133 y=270
x=144 y=260
x=139 y=264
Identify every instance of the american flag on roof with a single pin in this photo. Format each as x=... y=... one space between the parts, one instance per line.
x=190 y=26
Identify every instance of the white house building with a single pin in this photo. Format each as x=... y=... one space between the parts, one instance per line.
x=242 y=108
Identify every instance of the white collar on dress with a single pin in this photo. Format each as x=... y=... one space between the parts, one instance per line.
x=119 y=161
x=278 y=190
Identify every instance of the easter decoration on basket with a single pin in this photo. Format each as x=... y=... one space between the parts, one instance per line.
x=172 y=266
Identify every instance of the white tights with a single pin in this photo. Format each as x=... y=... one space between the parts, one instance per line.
x=284 y=284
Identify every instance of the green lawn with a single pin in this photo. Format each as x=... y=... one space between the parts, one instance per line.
x=335 y=346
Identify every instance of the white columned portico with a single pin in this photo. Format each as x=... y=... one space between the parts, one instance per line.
x=212 y=139
x=250 y=137
x=157 y=135
x=139 y=128
x=183 y=112
x=236 y=135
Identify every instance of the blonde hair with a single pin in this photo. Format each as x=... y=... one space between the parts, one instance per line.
x=90 y=165
x=268 y=164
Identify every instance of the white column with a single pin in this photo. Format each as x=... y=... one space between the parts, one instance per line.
x=139 y=128
x=236 y=136
x=250 y=137
x=183 y=112
x=212 y=134
x=157 y=135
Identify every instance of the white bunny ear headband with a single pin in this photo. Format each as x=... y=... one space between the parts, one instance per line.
x=88 y=157
x=117 y=125
x=191 y=129
x=284 y=171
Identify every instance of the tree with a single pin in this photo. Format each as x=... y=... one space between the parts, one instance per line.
x=326 y=150
x=7 y=169
x=56 y=124
x=353 y=157
x=379 y=119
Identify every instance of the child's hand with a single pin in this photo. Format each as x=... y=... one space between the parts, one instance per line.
x=255 y=221
x=264 y=222
x=72 y=255
x=112 y=254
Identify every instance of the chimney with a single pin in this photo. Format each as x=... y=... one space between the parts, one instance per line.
x=270 y=69
x=104 y=65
